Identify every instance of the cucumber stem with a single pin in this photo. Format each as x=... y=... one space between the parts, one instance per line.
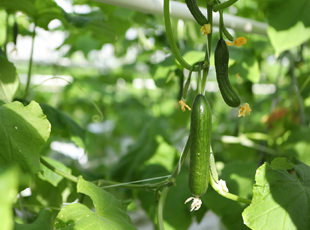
x=227 y=194
x=223 y=5
x=161 y=204
x=59 y=172
x=30 y=63
x=171 y=39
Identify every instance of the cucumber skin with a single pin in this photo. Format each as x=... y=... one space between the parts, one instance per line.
x=195 y=11
x=200 y=133
x=221 y=59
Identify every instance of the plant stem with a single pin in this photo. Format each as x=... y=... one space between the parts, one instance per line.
x=183 y=156
x=209 y=36
x=59 y=172
x=295 y=82
x=7 y=34
x=30 y=63
x=199 y=78
x=171 y=39
x=21 y=201
x=147 y=187
x=227 y=194
x=161 y=204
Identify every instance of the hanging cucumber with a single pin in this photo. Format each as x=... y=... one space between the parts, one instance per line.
x=200 y=133
x=195 y=11
x=221 y=58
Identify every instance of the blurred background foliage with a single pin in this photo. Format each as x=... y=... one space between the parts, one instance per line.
x=121 y=60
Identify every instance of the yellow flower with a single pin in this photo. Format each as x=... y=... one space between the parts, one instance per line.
x=237 y=42
x=206 y=29
x=229 y=43
x=244 y=109
x=183 y=105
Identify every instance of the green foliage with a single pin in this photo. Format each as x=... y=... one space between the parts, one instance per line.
x=49 y=175
x=9 y=80
x=289 y=23
x=43 y=221
x=8 y=192
x=24 y=132
x=62 y=124
x=278 y=193
x=122 y=60
x=110 y=212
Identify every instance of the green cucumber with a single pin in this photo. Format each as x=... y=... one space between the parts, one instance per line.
x=200 y=133
x=195 y=11
x=221 y=58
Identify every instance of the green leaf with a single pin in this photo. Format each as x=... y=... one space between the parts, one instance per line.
x=8 y=192
x=110 y=212
x=281 y=163
x=43 y=194
x=289 y=22
x=194 y=56
x=46 y=11
x=161 y=71
x=246 y=64
x=41 y=11
x=9 y=80
x=131 y=165
x=280 y=200
x=284 y=14
x=49 y=175
x=26 y=6
x=62 y=124
x=23 y=131
x=82 y=20
x=43 y=221
x=286 y=39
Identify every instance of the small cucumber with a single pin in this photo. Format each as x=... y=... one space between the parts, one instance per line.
x=200 y=133
x=195 y=11
x=221 y=58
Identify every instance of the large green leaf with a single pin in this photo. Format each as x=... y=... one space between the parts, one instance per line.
x=8 y=192
x=49 y=175
x=62 y=124
x=286 y=39
x=9 y=80
x=289 y=22
x=110 y=212
x=280 y=199
x=23 y=131
x=43 y=221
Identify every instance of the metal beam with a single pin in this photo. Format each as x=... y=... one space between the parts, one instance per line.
x=180 y=11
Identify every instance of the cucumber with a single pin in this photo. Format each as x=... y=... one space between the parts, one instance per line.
x=221 y=58
x=200 y=132
x=195 y=11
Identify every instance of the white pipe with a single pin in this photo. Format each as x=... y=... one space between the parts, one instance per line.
x=179 y=10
